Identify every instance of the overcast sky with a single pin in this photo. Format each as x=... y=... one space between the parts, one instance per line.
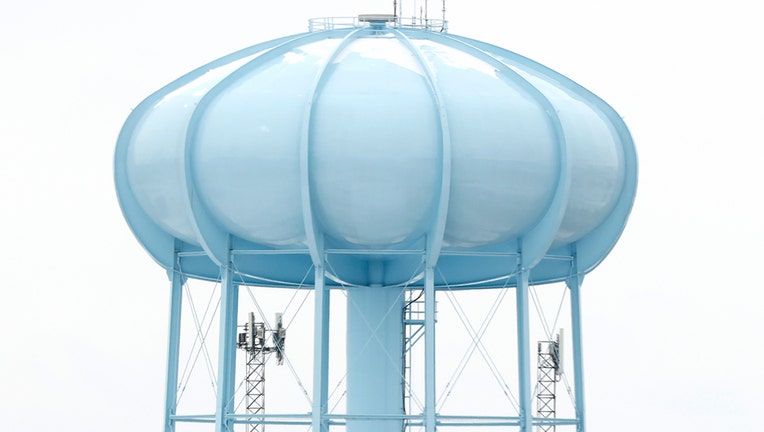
x=673 y=317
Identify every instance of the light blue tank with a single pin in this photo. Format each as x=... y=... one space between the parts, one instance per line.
x=374 y=154
x=375 y=140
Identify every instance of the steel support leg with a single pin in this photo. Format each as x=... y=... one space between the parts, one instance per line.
x=176 y=302
x=429 y=350
x=320 y=354
x=574 y=284
x=229 y=303
x=524 y=352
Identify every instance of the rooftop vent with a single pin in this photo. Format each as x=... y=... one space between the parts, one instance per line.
x=376 y=18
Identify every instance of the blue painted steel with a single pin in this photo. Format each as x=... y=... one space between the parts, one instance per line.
x=429 y=350
x=314 y=238
x=319 y=421
x=537 y=241
x=229 y=300
x=374 y=357
x=460 y=144
x=173 y=345
x=155 y=238
x=377 y=149
x=574 y=284
x=437 y=228
x=523 y=352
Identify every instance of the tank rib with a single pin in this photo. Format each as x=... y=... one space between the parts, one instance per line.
x=536 y=242
x=157 y=242
x=597 y=244
x=314 y=238
x=214 y=239
x=437 y=232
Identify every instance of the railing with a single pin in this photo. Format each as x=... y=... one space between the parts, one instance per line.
x=332 y=23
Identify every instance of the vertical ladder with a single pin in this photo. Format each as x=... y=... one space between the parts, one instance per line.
x=413 y=331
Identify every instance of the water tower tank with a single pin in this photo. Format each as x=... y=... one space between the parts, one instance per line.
x=376 y=157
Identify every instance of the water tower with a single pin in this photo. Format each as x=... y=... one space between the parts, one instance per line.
x=379 y=156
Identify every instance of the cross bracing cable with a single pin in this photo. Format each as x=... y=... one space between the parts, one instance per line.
x=549 y=335
x=547 y=329
x=540 y=312
x=476 y=344
x=304 y=298
x=205 y=351
x=374 y=331
x=342 y=396
x=186 y=380
x=559 y=308
x=269 y=328
x=302 y=282
x=567 y=388
x=339 y=383
x=564 y=375
x=200 y=336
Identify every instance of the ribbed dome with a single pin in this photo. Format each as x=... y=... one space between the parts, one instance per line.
x=377 y=139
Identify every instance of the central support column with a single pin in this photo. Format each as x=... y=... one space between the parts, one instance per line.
x=374 y=358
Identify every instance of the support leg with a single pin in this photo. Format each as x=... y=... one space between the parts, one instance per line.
x=523 y=352
x=429 y=350
x=176 y=302
x=229 y=303
x=320 y=354
x=574 y=284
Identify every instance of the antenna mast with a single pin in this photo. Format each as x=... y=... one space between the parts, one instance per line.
x=254 y=340
x=549 y=372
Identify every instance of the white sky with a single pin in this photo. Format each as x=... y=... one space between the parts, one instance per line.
x=672 y=318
